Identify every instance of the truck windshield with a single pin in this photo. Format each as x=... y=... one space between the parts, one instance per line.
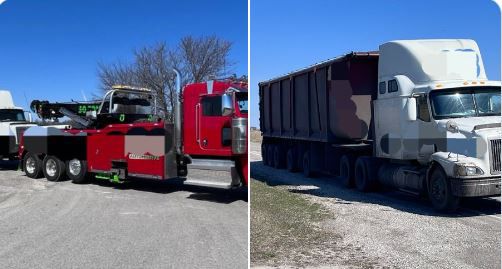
x=12 y=115
x=242 y=101
x=465 y=102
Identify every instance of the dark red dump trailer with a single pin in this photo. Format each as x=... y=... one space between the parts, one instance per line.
x=310 y=117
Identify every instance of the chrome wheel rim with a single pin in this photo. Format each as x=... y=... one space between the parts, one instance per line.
x=30 y=165
x=75 y=167
x=50 y=167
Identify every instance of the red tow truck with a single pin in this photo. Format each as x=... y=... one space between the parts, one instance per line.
x=123 y=137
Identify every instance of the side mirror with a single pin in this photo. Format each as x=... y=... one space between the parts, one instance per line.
x=30 y=117
x=411 y=109
x=227 y=105
x=91 y=114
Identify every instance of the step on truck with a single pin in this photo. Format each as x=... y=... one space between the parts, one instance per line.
x=124 y=136
x=13 y=123
x=417 y=115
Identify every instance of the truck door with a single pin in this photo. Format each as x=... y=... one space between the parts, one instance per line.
x=213 y=130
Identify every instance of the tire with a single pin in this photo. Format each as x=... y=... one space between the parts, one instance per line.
x=53 y=168
x=278 y=157
x=364 y=175
x=307 y=165
x=347 y=171
x=76 y=170
x=440 y=193
x=291 y=160
x=32 y=165
x=264 y=154
x=270 y=155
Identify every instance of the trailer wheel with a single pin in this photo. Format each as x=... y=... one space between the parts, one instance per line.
x=76 y=170
x=278 y=157
x=32 y=165
x=53 y=168
x=307 y=165
x=347 y=170
x=291 y=160
x=364 y=176
x=440 y=193
x=270 y=155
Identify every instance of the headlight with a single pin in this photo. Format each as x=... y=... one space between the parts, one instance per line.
x=467 y=170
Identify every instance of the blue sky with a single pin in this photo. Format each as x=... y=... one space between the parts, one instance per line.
x=290 y=34
x=49 y=49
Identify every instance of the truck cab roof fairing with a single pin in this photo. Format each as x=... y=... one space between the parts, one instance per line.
x=431 y=60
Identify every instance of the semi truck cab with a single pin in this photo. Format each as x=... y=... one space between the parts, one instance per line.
x=215 y=127
x=436 y=107
x=13 y=123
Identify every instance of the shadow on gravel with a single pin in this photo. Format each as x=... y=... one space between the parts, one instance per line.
x=198 y=193
x=332 y=188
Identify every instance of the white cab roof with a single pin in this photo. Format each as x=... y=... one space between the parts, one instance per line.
x=430 y=60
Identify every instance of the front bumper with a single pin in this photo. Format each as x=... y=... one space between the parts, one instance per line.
x=476 y=187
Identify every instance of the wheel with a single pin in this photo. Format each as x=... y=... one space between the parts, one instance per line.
x=291 y=161
x=307 y=166
x=32 y=165
x=278 y=158
x=270 y=155
x=364 y=176
x=53 y=168
x=76 y=170
x=440 y=192
x=347 y=170
x=264 y=154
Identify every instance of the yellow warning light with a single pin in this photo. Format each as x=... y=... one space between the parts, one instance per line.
x=439 y=85
x=481 y=82
x=474 y=83
x=465 y=82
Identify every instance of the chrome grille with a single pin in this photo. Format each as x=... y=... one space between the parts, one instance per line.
x=495 y=156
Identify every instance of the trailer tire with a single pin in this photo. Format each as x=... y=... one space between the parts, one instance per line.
x=270 y=155
x=364 y=175
x=291 y=160
x=53 y=168
x=307 y=165
x=347 y=170
x=32 y=165
x=440 y=193
x=278 y=157
x=76 y=170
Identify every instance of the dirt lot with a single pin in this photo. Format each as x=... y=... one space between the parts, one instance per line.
x=385 y=229
x=136 y=225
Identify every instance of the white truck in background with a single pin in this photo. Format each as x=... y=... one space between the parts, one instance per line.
x=417 y=115
x=13 y=123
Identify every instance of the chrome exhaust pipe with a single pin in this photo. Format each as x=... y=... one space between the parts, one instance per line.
x=177 y=112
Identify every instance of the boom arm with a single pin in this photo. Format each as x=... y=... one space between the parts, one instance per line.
x=73 y=110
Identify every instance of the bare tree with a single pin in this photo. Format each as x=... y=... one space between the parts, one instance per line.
x=198 y=59
x=204 y=57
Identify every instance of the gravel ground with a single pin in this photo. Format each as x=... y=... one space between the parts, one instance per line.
x=136 y=225
x=394 y=229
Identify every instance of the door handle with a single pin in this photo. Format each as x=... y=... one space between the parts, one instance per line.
x=197 y=131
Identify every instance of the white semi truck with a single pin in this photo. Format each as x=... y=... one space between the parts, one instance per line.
x=417 y=115
x=13 y=123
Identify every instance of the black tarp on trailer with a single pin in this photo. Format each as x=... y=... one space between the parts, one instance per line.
x=328 y=102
